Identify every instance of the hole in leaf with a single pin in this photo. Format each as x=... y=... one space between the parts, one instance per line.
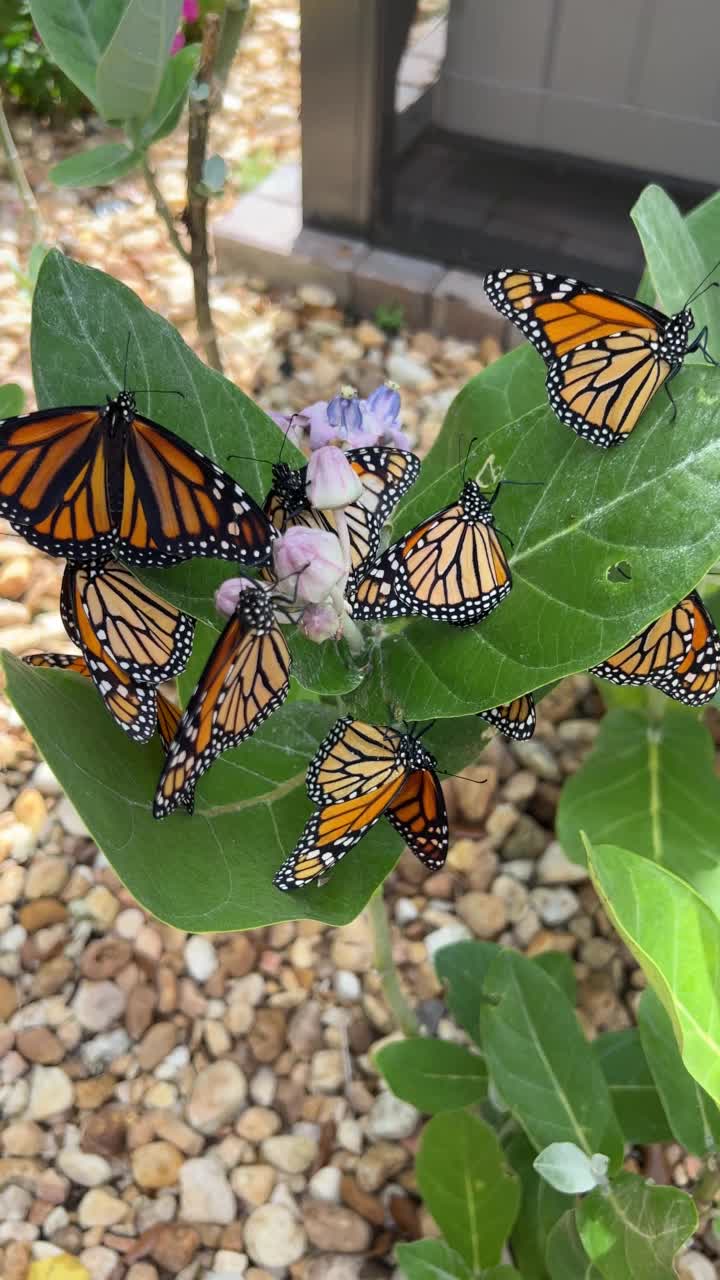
x=620 y=572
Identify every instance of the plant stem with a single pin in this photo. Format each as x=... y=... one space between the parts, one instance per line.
x=707 y=1186
x=218 y=50
x=236 y=12
x=162 y=208
x=199 y=113
x=401 y=1010
x=25 y=191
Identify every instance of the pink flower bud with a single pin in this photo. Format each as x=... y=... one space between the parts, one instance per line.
x=331 y=481
x=228 y=594
x=177 y=43
x=308 y=564
x=190 y=10
x=321 y=622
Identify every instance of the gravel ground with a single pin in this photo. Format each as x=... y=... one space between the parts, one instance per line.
x=186 y=1106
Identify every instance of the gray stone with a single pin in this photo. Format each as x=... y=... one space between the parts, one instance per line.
x=205 y=1193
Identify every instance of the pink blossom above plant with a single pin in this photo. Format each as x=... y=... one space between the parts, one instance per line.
x=320 y=622
x=331 y=481
x=308 y=564
x=190 y=10
x=177 y=43
x=229 y=592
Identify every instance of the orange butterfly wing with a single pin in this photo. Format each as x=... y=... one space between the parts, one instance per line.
x=53 y=489
x=418 y=812
x=515 y=719
x=678 y=654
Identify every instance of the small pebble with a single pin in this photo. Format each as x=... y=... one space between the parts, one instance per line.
x=200 y=958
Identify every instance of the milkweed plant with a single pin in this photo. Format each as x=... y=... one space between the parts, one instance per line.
x=529 y=1160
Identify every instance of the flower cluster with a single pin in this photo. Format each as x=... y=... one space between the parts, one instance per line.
x=311 y=566
x=348 y=421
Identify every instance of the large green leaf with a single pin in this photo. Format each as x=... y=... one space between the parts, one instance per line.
x=634 y=1096
x=95 y=168
x=467 y=1186
x=432 y=1260
x=653 y=503
x=678 y=259
x=693 y=1117
x=76 y=33
x=650 y=787
x=541 y=1063
x=635 y=1229
x=434 y=1075
x=676 y=939
x=540 y=1208
x=212 y=871
x=566 y=1258
x=131 y=67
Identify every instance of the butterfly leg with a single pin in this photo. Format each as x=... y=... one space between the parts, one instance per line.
x=669 y=395
x=700 y=344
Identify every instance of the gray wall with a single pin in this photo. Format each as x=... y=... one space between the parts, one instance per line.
x=634 y=82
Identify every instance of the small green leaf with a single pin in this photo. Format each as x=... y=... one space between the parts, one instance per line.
x=634 y=1097
x=542 y=1063
x=635 y=1229
x=38 y=253
x=327 y=668
x=463 y=967
x=214 y=172
x=131 y=68
x=467 y=1186
x=693 y=1117
x=434 y=1075
x=12 y=399
x=502 y=1272
x=567 y=1168
x=566 y=1257
x=540 y=1208
x=654 y=911
x=432 y=1260
x=651 y=788
x=675 y=260
x=559 y=966
x=76 y=33
x=95 y=168
x=172 y=95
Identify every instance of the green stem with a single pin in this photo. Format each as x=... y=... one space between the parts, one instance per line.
x=236 y=12
x=656 y=705
x=707 y=1186
x=162 y=209
x=401 y=1010
x=25 y=191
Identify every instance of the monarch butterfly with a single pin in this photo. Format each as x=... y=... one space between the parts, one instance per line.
x=606 y=355
x=515 y=719
x=130 y=638
x=450 y=568
x=94 y=481
x=385 y=475
x=246 y=677
x=679 y=654
x=360 y=773
x=168 y=715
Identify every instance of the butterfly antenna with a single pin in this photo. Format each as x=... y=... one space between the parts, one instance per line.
x=463 y=777
x=467 y=456
x=161 y=391
x=286 y=433
x=245 y=457
x=127 y=356
x=422 y=732
x=696 y=292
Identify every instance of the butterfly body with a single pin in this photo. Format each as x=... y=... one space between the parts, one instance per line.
x=385 y=475
x=450 y=568
x=245 y=679
x=606 y=354
x=91 y=482
x=361 y=773
x=679 y=654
